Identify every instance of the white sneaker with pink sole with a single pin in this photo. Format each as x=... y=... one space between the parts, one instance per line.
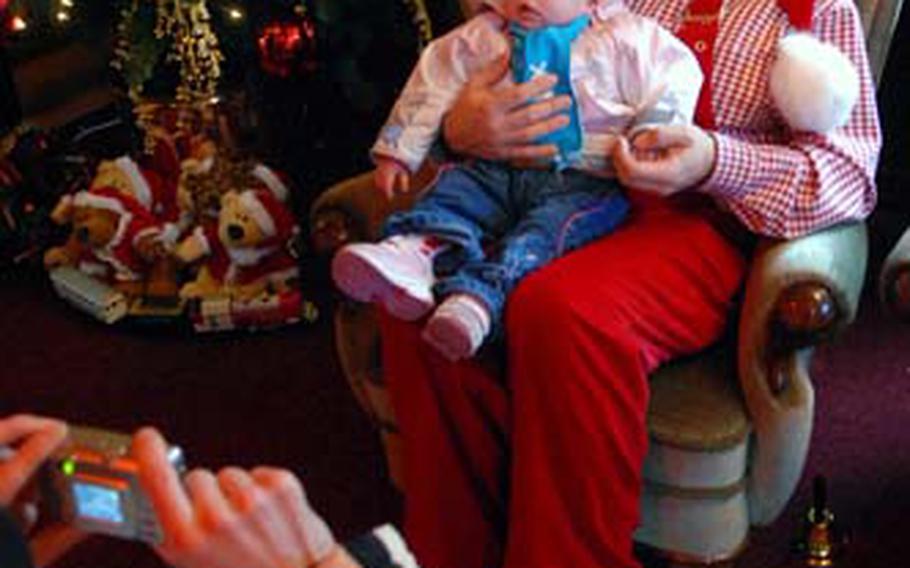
x=396 y=272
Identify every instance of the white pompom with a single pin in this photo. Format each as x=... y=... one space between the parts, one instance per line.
x=813 y=84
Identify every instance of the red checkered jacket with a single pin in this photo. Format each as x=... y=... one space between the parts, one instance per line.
x=777 y=182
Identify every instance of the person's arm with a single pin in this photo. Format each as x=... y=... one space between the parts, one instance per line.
x=775 y=189
x=816 y=180
x=259 y=518
x=660 y=78
x=440 y=74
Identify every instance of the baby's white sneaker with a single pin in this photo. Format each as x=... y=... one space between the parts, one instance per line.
x=458 y=327
x=396 y=272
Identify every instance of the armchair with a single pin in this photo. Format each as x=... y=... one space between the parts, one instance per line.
x=730 y=427
x=895 y=278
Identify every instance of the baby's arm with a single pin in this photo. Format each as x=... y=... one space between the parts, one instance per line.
x=660 y=75
x=443 y=69
x=391 y=176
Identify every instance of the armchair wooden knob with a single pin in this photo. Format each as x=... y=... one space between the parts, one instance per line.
x=897 y=292
x=331 y=230
x=805 y=314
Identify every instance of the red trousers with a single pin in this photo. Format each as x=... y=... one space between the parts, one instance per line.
x=540 y=467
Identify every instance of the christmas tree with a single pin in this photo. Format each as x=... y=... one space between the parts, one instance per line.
x=319 y=75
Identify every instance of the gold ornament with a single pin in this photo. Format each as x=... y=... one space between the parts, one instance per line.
x=195 y=47
x=421 y=18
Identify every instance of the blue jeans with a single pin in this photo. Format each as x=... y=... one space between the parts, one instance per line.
x=503 y=223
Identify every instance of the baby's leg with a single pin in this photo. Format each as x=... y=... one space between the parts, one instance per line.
x=560 y=222
x=463 y=207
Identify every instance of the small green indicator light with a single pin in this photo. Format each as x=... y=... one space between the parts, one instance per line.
x=68 y=467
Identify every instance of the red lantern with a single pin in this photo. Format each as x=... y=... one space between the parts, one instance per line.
x=288 y=47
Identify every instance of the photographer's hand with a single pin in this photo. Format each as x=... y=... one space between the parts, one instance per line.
x=235 y=519
x=31 y=440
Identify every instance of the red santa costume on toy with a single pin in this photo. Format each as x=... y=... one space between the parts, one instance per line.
x=276 y=182
x=156 y=189
x=118 y=260
x=270 y=260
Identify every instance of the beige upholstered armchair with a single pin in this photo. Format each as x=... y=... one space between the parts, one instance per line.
x=729 y=428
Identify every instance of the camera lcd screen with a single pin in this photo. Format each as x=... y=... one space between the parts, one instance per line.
x=97 y=502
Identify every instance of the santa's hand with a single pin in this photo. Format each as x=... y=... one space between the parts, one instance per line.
x=665 y=159
x=391 y=177
x=502 y=122
x=237 y=519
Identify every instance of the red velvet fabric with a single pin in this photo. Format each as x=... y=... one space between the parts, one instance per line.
x=543 y=468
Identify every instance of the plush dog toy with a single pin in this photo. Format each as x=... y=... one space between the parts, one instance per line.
x=247 y=250
x=115 y=239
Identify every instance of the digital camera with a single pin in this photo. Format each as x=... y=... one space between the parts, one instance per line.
x=92 y=483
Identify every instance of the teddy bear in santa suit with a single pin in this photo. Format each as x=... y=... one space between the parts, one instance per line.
x=114 y=238
x=247 y=252
x=153 y=183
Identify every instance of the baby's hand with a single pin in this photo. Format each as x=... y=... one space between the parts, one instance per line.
x=391 y=176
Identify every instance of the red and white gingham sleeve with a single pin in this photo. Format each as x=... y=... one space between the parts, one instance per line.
x=813 y=180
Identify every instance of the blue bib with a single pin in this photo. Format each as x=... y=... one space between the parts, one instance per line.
x=548 y=49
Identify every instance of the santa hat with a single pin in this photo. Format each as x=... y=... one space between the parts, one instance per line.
x=142 y=190
x=276 y=182
x=109 y=199
x=813 y=84
x=270 y=214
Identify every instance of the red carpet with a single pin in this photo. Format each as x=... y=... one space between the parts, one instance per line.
x=279 y=398
x=275 y=398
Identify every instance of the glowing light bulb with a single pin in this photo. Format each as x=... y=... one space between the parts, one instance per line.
x=68 y=467
x=235 y=13
x=18 y=24
x=67 y=3
x=63 y=17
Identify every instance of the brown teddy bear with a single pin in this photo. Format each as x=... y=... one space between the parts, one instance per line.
x=155 y=188
x=115 y=239
x=246 y=250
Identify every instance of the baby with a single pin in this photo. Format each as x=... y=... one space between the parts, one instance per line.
x=482 y=226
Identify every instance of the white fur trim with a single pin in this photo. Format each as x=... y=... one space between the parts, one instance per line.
x=122 y=272
x=813 y=84
x=87 y=199
x=283 y=275
x=265 y=174
x=395 y=546
x=141 y=189
x=260 y=214
x=146 y=232
x=122 y=225
x=170 y=233
x=249 y=256
x=199 y=236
